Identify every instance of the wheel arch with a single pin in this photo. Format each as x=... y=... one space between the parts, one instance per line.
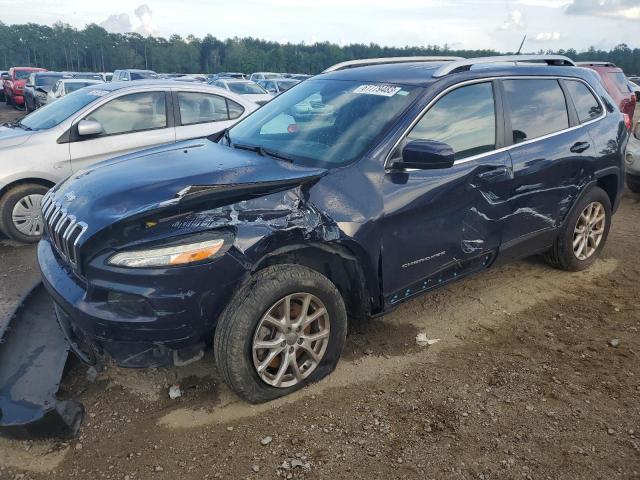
x=339 y=263
x=24 y=181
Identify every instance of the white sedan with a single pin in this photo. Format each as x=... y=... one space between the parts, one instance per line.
x=96 y=123
x=248 y=89
x=64 y=86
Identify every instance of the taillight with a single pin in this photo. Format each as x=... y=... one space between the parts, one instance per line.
x=627 y=121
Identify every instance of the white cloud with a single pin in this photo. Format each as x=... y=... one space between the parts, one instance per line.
x=547 y=37
x=515 y=21
x=624 y=9
x=119 y=23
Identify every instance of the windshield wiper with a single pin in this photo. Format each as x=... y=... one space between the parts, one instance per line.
x=265 y=152
x=17 y=124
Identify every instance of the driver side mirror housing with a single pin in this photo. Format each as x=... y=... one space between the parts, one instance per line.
x=426 y=155
x=5 y=76
x=636 y=130
x=88 y=128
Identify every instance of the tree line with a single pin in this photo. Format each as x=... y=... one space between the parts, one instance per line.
x=62 y=47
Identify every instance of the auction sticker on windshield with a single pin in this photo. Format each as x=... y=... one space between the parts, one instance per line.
x=382 y=90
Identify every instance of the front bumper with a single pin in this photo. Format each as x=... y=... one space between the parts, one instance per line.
x=183 y=305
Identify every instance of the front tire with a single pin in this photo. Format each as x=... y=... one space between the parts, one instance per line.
x=283 y=329
x=20 y=216
x=584 y=233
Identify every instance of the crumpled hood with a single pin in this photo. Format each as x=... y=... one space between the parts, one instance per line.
x=173 y=175
x=12 y=137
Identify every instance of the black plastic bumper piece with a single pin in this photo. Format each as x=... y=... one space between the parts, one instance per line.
x=33 y=354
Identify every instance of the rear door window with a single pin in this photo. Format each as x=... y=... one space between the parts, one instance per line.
x=196 y=107
x=586 y=104
x=537 y=107
x=465 y=119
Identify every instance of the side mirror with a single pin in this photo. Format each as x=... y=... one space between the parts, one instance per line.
x=636 y=130
x=88 y=128
x=426 y=155
x=271 y=90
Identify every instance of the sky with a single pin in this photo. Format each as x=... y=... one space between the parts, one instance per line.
x=472 y=24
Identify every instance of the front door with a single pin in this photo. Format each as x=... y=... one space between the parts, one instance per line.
x=442 y=224
x=131 y=122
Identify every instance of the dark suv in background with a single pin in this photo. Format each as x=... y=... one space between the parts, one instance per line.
x=345 y=196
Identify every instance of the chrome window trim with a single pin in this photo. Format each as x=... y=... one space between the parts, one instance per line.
x=503 y=149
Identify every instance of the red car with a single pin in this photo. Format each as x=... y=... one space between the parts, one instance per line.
x=13 y=84
x=615 y=83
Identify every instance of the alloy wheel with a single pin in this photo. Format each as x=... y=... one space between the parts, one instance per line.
x=27 y=216
x=589 y=230
x=291 y=340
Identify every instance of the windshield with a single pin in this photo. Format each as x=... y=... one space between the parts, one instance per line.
x=246 y=88
x=73 y=86
x=54 y=113
x=324 y=123
x=88 y=76
x=22 y=74
x=271 y=75
x=285 y=85
x=143 y=75
x=47 y=80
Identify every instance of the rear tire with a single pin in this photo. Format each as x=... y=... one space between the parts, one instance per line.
x=22 y=200
x=241 y=325
x=580 y=240
x=633 y=183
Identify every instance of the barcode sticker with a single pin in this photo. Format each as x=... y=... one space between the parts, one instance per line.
x=382 y=90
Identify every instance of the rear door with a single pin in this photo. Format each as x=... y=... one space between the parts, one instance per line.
x=131 y=122
x=443 y=224
x=200 y=114
x=550 y=153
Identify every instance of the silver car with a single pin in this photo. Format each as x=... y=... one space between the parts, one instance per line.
x=96 y=123
x=632 y=159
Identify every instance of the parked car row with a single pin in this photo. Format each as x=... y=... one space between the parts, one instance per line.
x=32 y=88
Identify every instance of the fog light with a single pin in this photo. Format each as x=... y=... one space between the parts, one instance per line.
x=129 y=306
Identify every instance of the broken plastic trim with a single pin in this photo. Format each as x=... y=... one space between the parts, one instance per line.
x=33 y=354
x=236 y=192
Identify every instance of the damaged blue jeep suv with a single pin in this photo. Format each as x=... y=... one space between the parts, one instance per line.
x=352 y=192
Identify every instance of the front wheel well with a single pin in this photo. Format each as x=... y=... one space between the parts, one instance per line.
x=23 y=181
x=336 y=263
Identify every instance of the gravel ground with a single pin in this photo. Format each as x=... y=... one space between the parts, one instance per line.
x=535 y=376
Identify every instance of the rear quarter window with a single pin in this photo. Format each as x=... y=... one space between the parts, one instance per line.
x=536 y=108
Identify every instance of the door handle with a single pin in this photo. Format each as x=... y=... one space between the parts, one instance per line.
x=580 y=147
x=493 y=172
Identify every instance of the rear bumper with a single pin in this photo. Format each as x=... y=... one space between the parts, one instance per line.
x=181 y=309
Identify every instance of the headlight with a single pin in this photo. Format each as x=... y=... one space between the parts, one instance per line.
x=167 y=256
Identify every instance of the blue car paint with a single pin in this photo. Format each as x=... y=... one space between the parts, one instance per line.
x=405 y=232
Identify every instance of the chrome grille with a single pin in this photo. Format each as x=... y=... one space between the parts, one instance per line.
x=64 y=230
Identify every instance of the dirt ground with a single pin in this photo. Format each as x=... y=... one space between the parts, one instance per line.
x=535 y=376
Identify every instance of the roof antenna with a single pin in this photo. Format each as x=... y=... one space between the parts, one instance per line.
x=521 y=44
